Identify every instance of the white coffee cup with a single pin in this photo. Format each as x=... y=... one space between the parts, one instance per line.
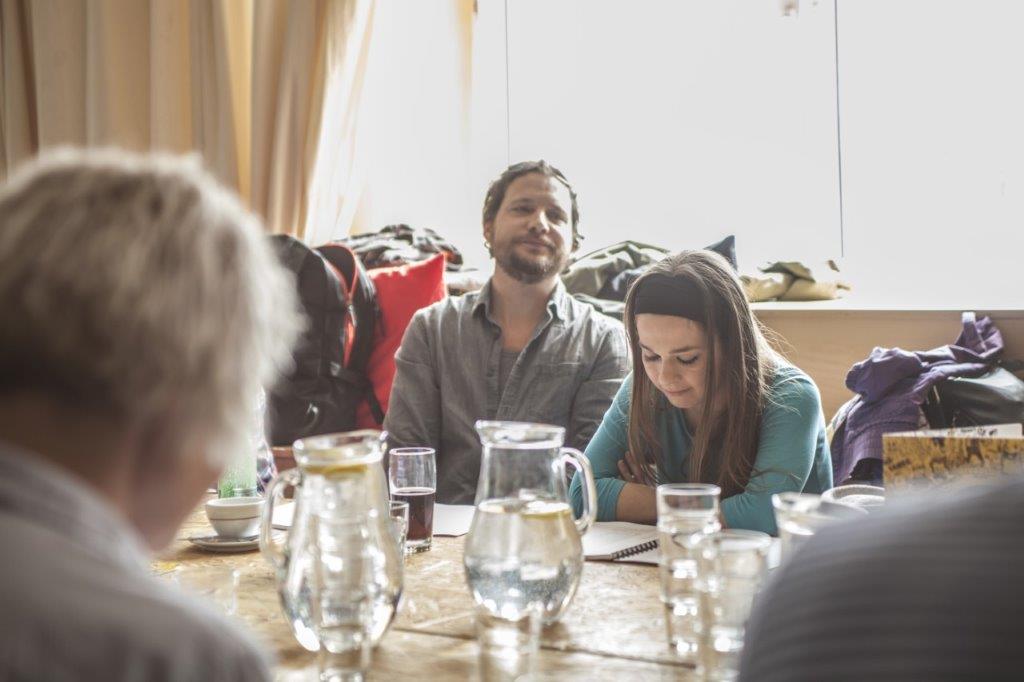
x=235 y=517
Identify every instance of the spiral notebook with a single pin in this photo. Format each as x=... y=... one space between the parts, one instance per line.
x=621 y=541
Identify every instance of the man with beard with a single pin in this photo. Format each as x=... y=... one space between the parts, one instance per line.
x=520 y=349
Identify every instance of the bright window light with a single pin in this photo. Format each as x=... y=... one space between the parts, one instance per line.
x=683 y=121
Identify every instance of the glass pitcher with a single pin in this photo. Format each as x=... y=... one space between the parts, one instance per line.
x=339 y=476
x=523 y=551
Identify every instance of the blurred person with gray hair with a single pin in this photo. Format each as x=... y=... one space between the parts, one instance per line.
x=140 y=312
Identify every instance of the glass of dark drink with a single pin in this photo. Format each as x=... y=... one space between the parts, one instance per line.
x=412 y=475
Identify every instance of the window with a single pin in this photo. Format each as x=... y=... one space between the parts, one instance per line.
x=413 y=156
x=932 y=132
x=681 y=122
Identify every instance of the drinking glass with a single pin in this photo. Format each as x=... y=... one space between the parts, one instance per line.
x=508 y=648
x=687 y=514
x=400 y=522
x=412 y=474
x=866 y=497
x=215 y=585
x=345 y=591
x=800 y=515
x=733 y=564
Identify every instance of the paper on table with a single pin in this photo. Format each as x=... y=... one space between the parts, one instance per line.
x=449 y=519
x=452 y=519
x=283 y=515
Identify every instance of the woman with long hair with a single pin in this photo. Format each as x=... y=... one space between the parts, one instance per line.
x=708 y=401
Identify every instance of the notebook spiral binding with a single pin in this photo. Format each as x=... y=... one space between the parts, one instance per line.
x=635 y=549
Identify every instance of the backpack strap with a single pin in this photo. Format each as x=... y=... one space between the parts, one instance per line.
x=291 y=252
x=365 y=313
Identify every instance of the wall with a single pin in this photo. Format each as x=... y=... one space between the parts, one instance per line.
x=826 y=339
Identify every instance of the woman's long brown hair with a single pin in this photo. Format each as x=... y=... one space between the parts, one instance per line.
x=740 y=364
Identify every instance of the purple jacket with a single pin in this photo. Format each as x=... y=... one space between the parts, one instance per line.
x=893 y=383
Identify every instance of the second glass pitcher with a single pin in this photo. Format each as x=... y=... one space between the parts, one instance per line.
x=524 y=549
x=339 y=477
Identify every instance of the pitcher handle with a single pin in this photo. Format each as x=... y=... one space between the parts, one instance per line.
x=580 y=461
x=273 y=550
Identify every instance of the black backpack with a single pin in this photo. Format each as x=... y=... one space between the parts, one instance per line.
x=328 y=380
x=996 y=397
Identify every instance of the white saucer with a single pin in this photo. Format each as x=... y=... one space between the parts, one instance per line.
x=216 y=543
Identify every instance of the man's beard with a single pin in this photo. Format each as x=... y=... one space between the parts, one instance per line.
x=529 y=270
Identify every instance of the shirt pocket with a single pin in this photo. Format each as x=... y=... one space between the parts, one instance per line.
x=551 y=396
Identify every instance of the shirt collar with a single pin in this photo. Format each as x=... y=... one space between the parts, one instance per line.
x=48 y=496
x=558 y=303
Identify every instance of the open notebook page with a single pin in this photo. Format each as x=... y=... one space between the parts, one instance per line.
x=650 y=556
x=614 y=540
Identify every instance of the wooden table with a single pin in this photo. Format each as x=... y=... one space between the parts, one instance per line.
x=613 y=628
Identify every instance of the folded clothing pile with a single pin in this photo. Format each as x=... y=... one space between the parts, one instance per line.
x=794 y=281
x=397 y=245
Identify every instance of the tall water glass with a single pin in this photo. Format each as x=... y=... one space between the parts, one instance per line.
x=345 y=592
x=733 y=565
x=412 y=475
x=800 y=515
x=216 y=585
x=687 y=514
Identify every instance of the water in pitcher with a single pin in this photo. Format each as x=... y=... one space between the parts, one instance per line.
x=297 y=593
x=523 y=554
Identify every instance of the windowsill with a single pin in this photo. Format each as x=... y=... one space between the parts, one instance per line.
x=867 y=306
x=858 y=302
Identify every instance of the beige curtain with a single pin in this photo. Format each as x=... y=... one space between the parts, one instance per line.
x=267 y=91
x=163 y=74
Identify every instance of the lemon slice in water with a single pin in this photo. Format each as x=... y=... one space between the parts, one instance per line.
x=335 y=469
x=543 y=509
